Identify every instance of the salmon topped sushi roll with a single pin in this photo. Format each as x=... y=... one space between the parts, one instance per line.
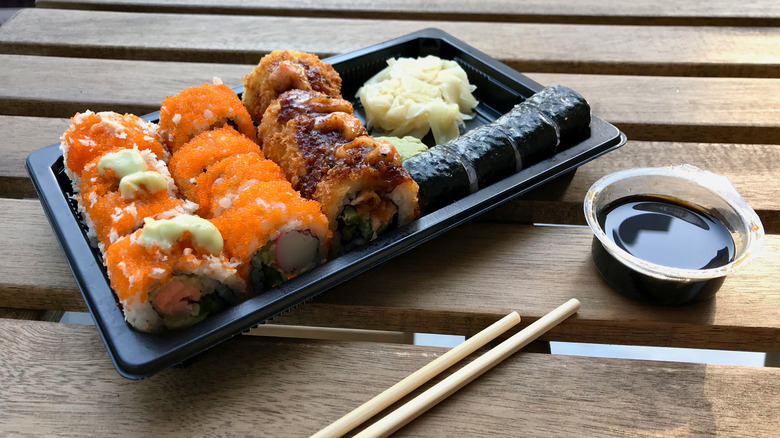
x=283 y=70
x=172 y=274
x=120 y=189
x=90 y=135
x=207 y=148
x=328 y=156
x=273 y=232
x=198 y=109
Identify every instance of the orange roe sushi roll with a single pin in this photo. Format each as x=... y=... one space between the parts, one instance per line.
x=198 y=109
x=273 y=232
x=283 y=70
x=207 y=148
x=120 y=189
x=221 y=182
x=91 y=135
x=172 y=274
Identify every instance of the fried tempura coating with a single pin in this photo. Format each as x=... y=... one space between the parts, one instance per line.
x=284 y=70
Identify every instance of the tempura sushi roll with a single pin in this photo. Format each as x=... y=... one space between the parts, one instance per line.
x=90 y=135
x=197 y=109
x=329 y=158
x=207 y=148
x=119 y=189
x=283 y=70
x=567 y=109
x=172 y=274
x=273 y=232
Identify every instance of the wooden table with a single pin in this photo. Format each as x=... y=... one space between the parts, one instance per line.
x=689 y=82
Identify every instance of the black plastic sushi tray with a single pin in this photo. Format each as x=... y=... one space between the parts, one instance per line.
x=137 y=355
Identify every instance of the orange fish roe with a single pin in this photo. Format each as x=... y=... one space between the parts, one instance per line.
x=114 y=216
x=91 y=135
x=205 y=149
x=135 y=270
x=226 y=178
x=197 y=109
x=263 y=212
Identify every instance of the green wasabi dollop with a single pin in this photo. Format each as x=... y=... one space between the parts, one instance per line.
x=164 y=232
x=151 y=181
x=407 y=146
x=123 y=163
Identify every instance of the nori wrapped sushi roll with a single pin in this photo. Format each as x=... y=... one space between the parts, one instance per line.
x=442 y=177
x=534 y=137
x=489 y=151
x=545 y=123
x=567 y=109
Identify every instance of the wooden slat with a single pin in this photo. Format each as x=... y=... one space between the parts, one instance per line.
x=749 y=167
x=720 y=110
x=688 y=13
x=441 y=288
x=58 y=380
x=646 y=50
x=30 y=87
x=45 y=282
x=22 y=135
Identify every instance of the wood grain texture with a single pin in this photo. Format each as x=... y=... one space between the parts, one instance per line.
x=444 y=283
x=718 y=110
x=667 y=12
x=58 y=380
x=588 y=49
x=31 y=314
x=22 y=135
x=43 y=282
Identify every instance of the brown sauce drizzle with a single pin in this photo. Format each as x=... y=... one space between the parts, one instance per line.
x=333 y=142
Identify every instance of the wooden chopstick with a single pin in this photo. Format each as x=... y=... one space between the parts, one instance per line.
x=411 y=410
x=413 y=381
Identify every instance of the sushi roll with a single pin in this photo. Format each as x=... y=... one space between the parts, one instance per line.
x=273 y=232
x=533 y=135
x=328 y=157
x=284 y=70
x=222 y=181
x=489 y=151
x=529 y=133
x=172 y=274
x=90 y=135
x=207 y=148
x=198 y=109
x=119 y=189
x=442 y=177
x=566 y=109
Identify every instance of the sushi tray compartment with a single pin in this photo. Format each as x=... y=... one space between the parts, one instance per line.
x=138 y=355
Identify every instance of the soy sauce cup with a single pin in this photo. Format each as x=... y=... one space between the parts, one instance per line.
x=634 y=213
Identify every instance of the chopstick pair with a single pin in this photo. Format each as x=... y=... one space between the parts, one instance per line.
x=414 y=408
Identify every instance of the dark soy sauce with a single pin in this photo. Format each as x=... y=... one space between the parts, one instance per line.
x=668 y=234
x=665 y=233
